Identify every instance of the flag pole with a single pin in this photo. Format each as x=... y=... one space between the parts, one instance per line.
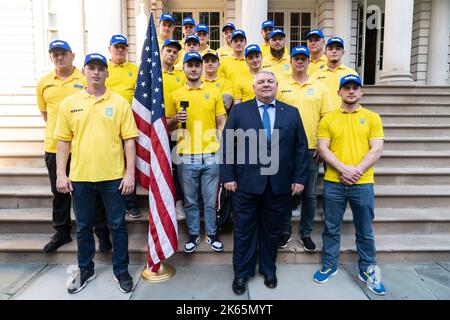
x=148 y=108
x=165 y=272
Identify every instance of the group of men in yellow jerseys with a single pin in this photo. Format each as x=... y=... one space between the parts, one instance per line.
x=200 y=86
x=313 y=79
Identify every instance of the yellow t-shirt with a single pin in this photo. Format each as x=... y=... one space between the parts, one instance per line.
x=331 y=79
x=122 y=79
x=96 y=130
x=265 y=48
x=172 y=81
x=317 y=65
x=280 y=67
x=205 y=104
x=311 y=99
x=220 y=84
x=179 y=62
x=50 y=92
x=349 y=135
x=202 y=52
x=225 y=51
x=243 y=87
x=232 y=68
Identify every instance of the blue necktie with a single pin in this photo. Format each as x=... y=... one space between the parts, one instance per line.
x=266 y=121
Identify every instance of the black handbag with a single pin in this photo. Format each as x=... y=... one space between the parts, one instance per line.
x=224 y=211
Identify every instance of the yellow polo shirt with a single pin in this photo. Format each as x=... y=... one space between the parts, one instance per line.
x=202 y=52
x=220 y=84
x=205 y=104
x=280 y=67
x=243 y=87
x=51 y=90
x=225 y=51
x=122 y=79
x=96 y=130
x=311 y=99
x=172 y=80
x=349 y=135
x=179 y=62
x=331 y=79
x=317 y=65
x=232 y=68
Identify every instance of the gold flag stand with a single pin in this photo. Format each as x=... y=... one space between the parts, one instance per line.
x=165 y=272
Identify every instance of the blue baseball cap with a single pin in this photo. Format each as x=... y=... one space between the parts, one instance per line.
x=238 y=33
x=335 y=40
x=210 y=52
x=229 y=25
x=95 y=57
x=267 y=23
x=188 y=20
x=315 y=32
x=192 y=37
x=201 y=27
x=350 y=78
x=118 y=38
x=252 y=48
x=277 y=32
x=171 y=42
x=300 y=50
x=59 y=44
x=192 y=56
x=166 y=16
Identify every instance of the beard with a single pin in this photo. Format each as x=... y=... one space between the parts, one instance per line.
x=193 y=79
x=277 y=53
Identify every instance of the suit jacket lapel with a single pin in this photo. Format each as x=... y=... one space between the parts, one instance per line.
x=279 y=115
x=255 y=112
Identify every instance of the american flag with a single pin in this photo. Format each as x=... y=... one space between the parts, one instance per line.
x=153 y=157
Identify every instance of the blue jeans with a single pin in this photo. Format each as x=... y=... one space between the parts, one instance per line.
x=361 y=199
x=84 y=194
x=199 y=172
x=308 y=201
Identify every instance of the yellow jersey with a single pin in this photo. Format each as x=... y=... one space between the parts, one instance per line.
x=243 y=87
x=51 y=90
x=96 y=129
x=122 y=79
x=317 y=65
x=312 y=100
x=231 y=68
x=172 y=80
x=205 y=104
x=225 y=51
x=349 y=135
x=280 y=67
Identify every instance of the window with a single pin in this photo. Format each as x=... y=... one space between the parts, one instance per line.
x=296 y=24
x=212 y=19
x=52 y=22
x=178 y=17
x=300 y=26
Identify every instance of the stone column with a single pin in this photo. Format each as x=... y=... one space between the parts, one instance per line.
x=437 y=73
x=141 y=29
x=70 y=15
x=343 y=25
x=103 y=19
x=252 y=16
x=397 y=42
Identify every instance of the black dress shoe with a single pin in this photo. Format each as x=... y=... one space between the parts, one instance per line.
x=270 y=281
x=239 y=286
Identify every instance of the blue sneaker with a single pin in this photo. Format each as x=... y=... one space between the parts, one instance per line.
x=323 y=274
x=373 y=284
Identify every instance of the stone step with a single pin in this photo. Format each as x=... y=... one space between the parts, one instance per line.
x=411 y=99
x=17 y=99
x=15 y=175
x=390 y=248
x=19 y=110
x=415 y=119
x=408 y=159
x=405 y=109
x=386 y=196
x=416 y=143
x=387 y=221
x=413 y=130
x=373 y=90
x=22 y=158
x=33 y=121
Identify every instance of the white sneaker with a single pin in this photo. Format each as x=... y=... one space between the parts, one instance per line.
x=179 y=209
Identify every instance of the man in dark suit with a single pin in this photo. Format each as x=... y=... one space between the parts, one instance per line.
x=264 y=162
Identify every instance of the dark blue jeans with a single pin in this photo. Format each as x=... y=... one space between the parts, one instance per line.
x=84 y=194
x=308 y=201
x=361 y=199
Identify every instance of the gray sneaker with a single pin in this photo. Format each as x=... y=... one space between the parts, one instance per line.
x=79 y=279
